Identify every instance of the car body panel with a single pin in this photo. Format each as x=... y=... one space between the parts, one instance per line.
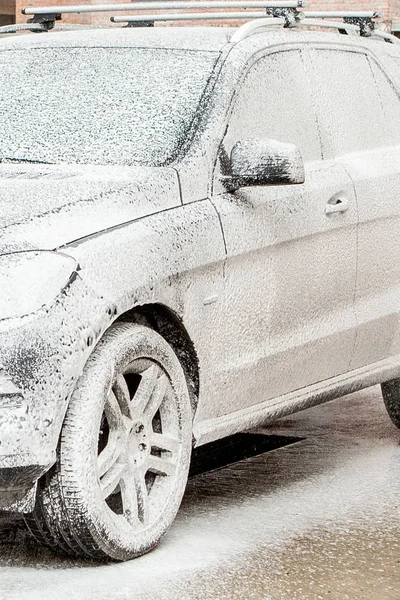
x=47 y=206
x=186 y=276
x=182 y=38
x=366 y=143
x=291 y=267
x=376 y=176
x=182 y=277
x=290 y=278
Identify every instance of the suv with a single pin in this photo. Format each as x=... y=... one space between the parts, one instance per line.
x=199 y=235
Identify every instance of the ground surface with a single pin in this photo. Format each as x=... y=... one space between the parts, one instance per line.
x=317 y=519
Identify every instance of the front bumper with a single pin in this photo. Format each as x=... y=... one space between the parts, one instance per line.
x=18 y=472
x=41 y=358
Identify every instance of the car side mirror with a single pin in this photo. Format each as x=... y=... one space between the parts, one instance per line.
x=265 y=162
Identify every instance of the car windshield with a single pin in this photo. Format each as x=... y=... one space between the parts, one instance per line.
x=107 y=106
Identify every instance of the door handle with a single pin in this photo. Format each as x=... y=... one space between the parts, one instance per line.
x=337 y=205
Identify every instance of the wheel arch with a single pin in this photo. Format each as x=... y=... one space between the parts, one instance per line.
x=168 y=324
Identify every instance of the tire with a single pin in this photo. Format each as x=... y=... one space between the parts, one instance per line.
x=391 y=398
x=39 y=526
x=124 y=453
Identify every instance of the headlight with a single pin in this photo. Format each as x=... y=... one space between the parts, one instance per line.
x=30 y=280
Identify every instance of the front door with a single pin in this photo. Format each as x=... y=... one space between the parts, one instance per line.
x=291 y=263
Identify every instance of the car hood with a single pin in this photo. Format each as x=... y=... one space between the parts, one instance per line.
x=48 y=206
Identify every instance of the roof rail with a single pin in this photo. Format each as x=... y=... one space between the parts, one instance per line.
x=140 y=5
x=151 y=18
x=342 y=14
x=42 y=27
x=22 y=27
x=354 y=23
x=48 y=15
x=251 y=26
x=286 y=13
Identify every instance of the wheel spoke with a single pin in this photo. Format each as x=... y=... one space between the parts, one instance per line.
x=111 y=452
x=156 y=397
x=135 y=497
x=160 y=465
x=112 y=478
x=113 y=412
x=129 y=497
x=164 y=442
x=121 y=391
x=145 y=389
x=142 y=497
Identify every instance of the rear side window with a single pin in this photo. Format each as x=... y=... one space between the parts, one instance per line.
x=349 y=106
x=274 y=102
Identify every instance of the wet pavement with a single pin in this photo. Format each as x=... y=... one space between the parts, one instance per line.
x=312 y=514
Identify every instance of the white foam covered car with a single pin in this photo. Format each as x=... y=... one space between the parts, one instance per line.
x=199 y=233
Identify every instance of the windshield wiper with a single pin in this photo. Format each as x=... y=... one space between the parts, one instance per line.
x=7 y=159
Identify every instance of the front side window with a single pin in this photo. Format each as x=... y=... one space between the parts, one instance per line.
x=118 y=106
x=274 y=102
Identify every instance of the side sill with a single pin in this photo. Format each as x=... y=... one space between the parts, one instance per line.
x=275 y=408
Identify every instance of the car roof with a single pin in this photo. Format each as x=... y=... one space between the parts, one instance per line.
x=201 y=39
x=186 y=38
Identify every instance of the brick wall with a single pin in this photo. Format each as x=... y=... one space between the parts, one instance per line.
x=395 y=10
x=390 y=9
x=7 y=12
x=378 y=5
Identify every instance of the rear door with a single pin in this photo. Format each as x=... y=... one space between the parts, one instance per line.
x=360 y=122
x=291 y=263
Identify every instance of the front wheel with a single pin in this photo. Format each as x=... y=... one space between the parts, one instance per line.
x=124 y=453
x=391 y=398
